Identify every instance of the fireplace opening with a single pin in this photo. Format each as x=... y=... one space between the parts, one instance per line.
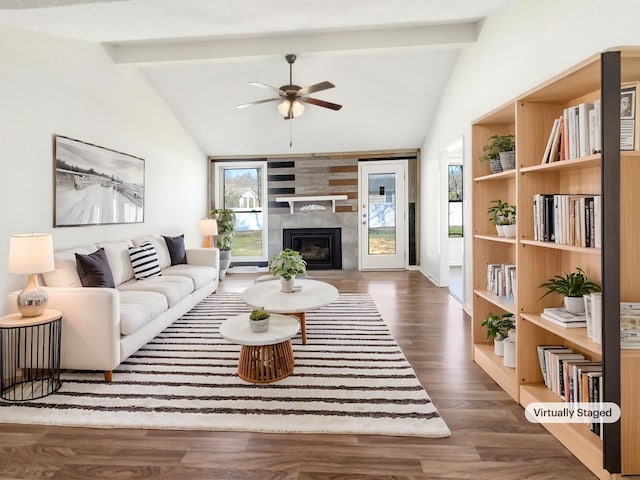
x=320 y=247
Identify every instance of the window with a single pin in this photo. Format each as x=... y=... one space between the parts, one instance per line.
x=455 y=200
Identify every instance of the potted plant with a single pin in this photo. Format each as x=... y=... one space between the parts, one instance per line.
x=498 y=328
x=226 y=219
x=259 y=320
x=287 y=264
x=503 y=214
x=499 y=149
x=573 y=286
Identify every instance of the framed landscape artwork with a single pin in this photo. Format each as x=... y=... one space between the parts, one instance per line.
x=96 y=185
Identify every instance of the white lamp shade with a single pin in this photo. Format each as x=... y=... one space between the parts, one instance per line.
x=31 y=253
x=208 y=227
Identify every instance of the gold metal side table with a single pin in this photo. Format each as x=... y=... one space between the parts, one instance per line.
x=30 y=355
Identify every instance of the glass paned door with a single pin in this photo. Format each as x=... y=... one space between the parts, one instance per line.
x=382 y=215
x=241 y=187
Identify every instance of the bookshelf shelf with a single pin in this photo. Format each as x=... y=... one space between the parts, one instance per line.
x=576 y=336
x=498 y=301
x=493 y=365
x=530 y=117
x=560 y=246
x=494 y=238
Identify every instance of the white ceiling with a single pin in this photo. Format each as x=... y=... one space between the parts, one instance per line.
x=389 y=61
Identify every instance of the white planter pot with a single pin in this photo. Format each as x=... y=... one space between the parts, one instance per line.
x=258 y=326
x=286 y=286
x=509 y=231
x=498 y=347
x=500 y=230
x=574 y=305
x=509 y=359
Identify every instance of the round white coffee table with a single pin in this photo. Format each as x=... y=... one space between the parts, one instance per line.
x=314 y=294
x=265 y=356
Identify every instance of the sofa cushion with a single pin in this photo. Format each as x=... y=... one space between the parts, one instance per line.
x=174 y=288
x=94 y=269
x=176 y=248
x=118 y=256
x=137 y=309
x=200 y=274
x=66 y=271
x=161 y=248
x=144 y=261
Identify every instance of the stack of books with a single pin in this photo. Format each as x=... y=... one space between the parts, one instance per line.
x=630 y=325
x=559 y=316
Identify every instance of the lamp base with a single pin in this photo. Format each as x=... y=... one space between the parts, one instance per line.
x=32 y=301
x=207 y=242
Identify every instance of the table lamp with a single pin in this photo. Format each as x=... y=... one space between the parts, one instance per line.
x=31 y=254
x=208 y=228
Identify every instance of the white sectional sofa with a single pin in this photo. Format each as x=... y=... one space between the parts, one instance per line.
x=103 y=326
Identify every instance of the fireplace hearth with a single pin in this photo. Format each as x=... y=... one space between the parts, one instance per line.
x=320 y=247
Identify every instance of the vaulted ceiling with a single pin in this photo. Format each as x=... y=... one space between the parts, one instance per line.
x=389 y=61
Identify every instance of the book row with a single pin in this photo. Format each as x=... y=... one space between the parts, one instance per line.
x=568 y=219
x=572 y=377
x=501 y=279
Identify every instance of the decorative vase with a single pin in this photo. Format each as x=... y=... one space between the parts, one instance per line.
x=258 y=326
x=507 y=160
x=500 y=230
x=509 y=347
x=498 y=347
x=495 y=166
x=509 y=231
x=286 y=286
x=574 y=305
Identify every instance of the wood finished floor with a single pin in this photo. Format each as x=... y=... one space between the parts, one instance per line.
x=490 y=437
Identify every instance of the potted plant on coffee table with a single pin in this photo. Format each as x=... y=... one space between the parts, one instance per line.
x=226 y=219
x=573 y=286
x=498 y=328
x=500 y=153
x=259 y=320
x=287 y=264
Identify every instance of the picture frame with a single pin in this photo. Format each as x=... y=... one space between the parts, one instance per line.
x=629 y=128
x=95 y=185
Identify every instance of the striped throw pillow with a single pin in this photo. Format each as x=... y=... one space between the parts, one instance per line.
x=144 y=261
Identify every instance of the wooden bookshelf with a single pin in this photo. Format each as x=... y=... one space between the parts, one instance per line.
x=530 y=117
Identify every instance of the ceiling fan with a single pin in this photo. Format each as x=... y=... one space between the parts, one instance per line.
x=293 y=97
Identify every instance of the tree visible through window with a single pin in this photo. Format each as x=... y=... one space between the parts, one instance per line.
x=455 y=200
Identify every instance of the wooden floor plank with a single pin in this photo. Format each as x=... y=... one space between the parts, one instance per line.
x=491 y=438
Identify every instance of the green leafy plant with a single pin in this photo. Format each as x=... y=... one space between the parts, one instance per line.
x=502 y=213
x=575 y=284
x=497 y=144
x=287 y=264
x=498 y=326
x=259 y=314
x=226 y=219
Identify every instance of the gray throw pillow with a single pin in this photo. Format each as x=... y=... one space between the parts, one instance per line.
x=176 y=249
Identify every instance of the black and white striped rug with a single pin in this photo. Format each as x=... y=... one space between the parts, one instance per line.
x=351 y=377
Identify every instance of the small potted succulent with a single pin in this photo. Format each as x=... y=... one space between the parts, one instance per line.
x=500 y=153
x=573 y=286
x=259 y=320
x=498 y=328
x=287 y=264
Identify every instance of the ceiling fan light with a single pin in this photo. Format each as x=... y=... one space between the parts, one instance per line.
x=283 y=107
x=297 y=108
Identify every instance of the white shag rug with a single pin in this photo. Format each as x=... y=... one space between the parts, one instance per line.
x=350 y=378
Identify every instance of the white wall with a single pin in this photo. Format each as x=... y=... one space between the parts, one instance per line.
x=519 y=47
x=50 y=85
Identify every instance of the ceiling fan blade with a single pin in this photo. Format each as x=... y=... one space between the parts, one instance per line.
x=258 y=102
x=264 y=85
x=316 y=87
x=321 y=103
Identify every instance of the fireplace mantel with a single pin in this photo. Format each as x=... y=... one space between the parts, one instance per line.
x=315 y=198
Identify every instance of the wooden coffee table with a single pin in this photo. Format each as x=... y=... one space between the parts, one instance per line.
x=314 y=294
x=265 y=356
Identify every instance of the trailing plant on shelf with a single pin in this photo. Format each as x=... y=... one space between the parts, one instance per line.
x=498 y=328
x=496 y=145
x=573 y=286
x=502 y=214
x=287 y=264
